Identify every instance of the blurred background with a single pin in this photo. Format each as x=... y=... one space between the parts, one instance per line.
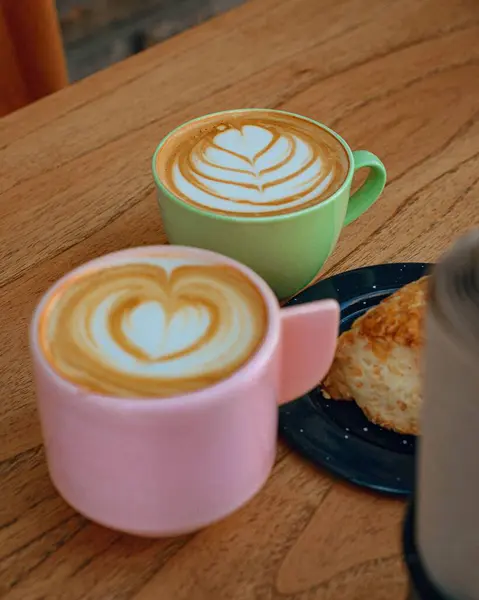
x=98 y=33
x=47 y=44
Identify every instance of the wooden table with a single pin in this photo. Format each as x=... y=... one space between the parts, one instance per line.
x=400 y=78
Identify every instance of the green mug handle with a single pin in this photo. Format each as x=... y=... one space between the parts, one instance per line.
x=371 y=189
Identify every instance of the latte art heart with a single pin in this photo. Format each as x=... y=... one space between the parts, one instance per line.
x=253 y=163
x=156 y=335
x=152 y=328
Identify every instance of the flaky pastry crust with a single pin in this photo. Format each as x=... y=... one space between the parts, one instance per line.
x=377 y=362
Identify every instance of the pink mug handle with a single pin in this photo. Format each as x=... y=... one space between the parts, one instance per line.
x=309 y=335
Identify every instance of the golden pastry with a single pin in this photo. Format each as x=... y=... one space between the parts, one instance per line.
x=377 y=362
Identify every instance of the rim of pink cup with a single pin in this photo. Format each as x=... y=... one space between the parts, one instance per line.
x=196 y=398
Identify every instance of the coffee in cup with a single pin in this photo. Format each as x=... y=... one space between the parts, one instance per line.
x=268 y=188
x=252 y=163
x=158 y=373
x=156 y=325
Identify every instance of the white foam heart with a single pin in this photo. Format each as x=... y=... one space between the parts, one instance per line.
x=150 y=330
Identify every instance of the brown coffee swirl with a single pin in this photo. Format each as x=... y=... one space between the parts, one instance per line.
x=252 y=163
x=154 y=327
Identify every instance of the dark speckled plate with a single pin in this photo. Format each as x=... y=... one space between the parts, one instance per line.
x=336 y=435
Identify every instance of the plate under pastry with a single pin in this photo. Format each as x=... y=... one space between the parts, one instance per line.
x=336 y=435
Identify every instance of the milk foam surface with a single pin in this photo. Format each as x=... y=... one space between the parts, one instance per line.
x=260 y=163
x=152 y=326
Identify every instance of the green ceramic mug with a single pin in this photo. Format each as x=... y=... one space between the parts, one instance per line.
x=287 y=250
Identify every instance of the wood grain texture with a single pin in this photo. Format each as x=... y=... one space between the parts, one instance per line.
x=400 y=78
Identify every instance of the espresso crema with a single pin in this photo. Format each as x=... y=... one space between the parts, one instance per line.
x=152 y=325
x=252 y=163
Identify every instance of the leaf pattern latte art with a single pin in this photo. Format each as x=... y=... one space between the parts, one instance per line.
x=253 y=165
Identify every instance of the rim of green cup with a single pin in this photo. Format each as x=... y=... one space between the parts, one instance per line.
x=256 y=218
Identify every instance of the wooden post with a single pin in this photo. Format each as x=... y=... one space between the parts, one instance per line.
x=31 y=43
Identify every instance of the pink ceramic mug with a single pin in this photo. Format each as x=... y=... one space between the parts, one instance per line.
x=160 y=467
